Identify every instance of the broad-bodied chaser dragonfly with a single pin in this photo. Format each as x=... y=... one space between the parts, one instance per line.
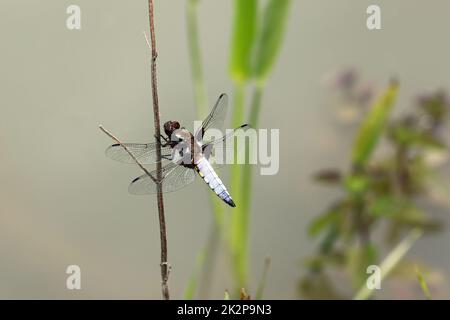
x=188 y=154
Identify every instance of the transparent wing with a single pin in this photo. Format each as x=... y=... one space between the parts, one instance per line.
x=174 y=177
x=216 y=117
x=226 y=139
x=144 y=152
x=221 y=151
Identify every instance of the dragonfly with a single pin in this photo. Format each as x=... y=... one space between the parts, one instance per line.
x=188 y=154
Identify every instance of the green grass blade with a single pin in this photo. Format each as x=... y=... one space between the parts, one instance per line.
x=373 y=126
x=255 y=108
x=200 y=96
x=270 y=37
x=238 y=229
x=243 y=35
x=201 y=275
x=423 y=284
x=391 y=261
x=247 y=169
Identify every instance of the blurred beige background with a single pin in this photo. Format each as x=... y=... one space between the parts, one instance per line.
x=63 y=202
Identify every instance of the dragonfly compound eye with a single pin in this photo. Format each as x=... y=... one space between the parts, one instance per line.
x=170 y=127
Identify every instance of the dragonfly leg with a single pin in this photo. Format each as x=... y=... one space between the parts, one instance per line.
x=167 y=157
x=158 y=139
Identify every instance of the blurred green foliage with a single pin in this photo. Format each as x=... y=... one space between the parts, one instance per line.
x=380 y=191
x=244 y=31
x=423 y=284
x=257 y=33
x=249 y=64
x=271 y=35
x=373 y=126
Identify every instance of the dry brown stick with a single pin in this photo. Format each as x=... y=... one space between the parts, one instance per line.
x=156 y=120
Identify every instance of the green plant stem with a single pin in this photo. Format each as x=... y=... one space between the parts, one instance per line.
x=362 y=226
x=200 y=96
x=423 y=284
x=239 y=104
x=238 y=226
x=242 y=183
x=255 y=108
x=202 y=276
x=391 y=261
x=247 y=176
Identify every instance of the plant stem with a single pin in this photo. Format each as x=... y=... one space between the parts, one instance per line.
x=391 y=261
x=361 y=223
x=256 y=106
x=201 y=99
x=200 y=96
x=423 y=284
x=238 y=229
x=241 y=183
x=159 y=195
x=207 y=263
x=239 y=104
x=247 y=177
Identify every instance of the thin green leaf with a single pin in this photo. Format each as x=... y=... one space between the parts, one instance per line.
x=412 y=136
x=241 y=190
x=423 y=284
x=201 y=98
x=373 y=126
x=327 y=243
x=387 y=206
x=244 y=30
x=326 y=219
x=356 y=183
x=391 y=261
x=271 y=37
x=403 y=212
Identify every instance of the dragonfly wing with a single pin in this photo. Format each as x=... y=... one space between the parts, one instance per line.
x=174 y=177
x=216 y=117
x=221 y=151
x=145 y=153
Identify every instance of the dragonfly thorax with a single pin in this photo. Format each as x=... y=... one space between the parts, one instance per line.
x=185 y=149
x=181 y=135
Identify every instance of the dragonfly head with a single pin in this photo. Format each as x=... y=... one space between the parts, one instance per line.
x=170 y=127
